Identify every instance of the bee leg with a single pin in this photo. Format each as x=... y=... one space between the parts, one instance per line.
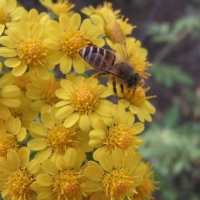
x=122 y=88
x=99 y=74
x=114 y=86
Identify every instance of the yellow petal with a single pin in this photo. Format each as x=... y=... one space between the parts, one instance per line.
x=106 y=162
x=33 y=166
x=70 y=158
x=7 y=52
x=13 y=62
x=66 y=64
x=37 y=144
x=100 y=124
x=97 y=134
x=71 y=120
x=84 y=122
x=64 y=112
x=43 y=154
x=49 y=167
x=104 y=111
x=78 y=65
x=13 y=159
x=75 y=21
x=44 y=180
x=19 y=70
x=24 y=154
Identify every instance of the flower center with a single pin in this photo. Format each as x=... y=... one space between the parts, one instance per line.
x=84 y=100
x=119 y=136
x=116 y=183
x=136 y=97
x=72 y=41
x=63 y=7
x=32 y=52
x=22 y=81
x=16 y=112
x=67 y=184
x=61 y=138
x=48 y=92
x=4 y=17
x=7 y=141
x=18 y=184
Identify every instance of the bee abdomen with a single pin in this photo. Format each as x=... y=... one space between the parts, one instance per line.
x=92 y=52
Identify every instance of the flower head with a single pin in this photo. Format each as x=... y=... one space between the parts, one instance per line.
x=17 y=174
x=137 y=102
x=146 y=189
x=61 y=6
x=121 y=132
x=9 y=13
x=63 y=179
x=25 y=49
x=115 y=177
x=43 y=92
x=82 y=100
x=52 y=139
x=11 y=134
x=68 y=37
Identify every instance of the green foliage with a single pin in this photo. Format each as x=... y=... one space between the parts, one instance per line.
x=175 y=152
x=169 y=74
x=166 y=32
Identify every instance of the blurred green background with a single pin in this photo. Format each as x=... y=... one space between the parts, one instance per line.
x=170 y=31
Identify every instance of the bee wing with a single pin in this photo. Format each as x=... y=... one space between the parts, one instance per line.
x=99 y=62
x=120 y=41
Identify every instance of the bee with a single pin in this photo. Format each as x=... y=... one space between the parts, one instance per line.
x=104 y=60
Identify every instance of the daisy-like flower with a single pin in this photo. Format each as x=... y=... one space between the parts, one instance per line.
x=9 y=94
x=82 y=101
x=137 y=102
x=103 y=16
x=147 y=188
x=17 y=174
x=115 y=177
x=120 y=133
x=51 y=139
x=63 y=179
x=24 y=112
x=11 y=134
x=9 y=13
x=33 y=18
x=68 y=37
x=43 y=92
x=61 y=6
x=25 y=49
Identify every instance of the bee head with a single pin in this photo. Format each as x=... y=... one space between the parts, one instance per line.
x=134 y=81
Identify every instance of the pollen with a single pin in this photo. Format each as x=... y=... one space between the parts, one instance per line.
x=72 y=41
x=84 y=100
x=61 y=138
x=117 y=183
x=63 y=6
x=119 y=136
x=67 y=184
x=4 y=16
x=22 y=81
x=7 y=141
x=48 y=92
x=18 y=184
x=32 y=52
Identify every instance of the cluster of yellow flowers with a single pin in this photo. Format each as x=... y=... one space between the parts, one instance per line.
x=64 y=138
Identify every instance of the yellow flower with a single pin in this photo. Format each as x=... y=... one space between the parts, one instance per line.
x=103 y=16
x=115 y=177
x=120 y=133
x=11 y=134
x=17 y=174
x=33 y=18
x=9 y=13
x=82 y=101
x=63 y=179
x=52 y=139
x=137 y=102
x=9 y=94
x=68 y=37
x=146 y=189
x=61 y=6
x=43 y=92
x=25 y=49
x=24 y=112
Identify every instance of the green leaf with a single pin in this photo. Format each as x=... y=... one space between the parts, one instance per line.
x=172 y=117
